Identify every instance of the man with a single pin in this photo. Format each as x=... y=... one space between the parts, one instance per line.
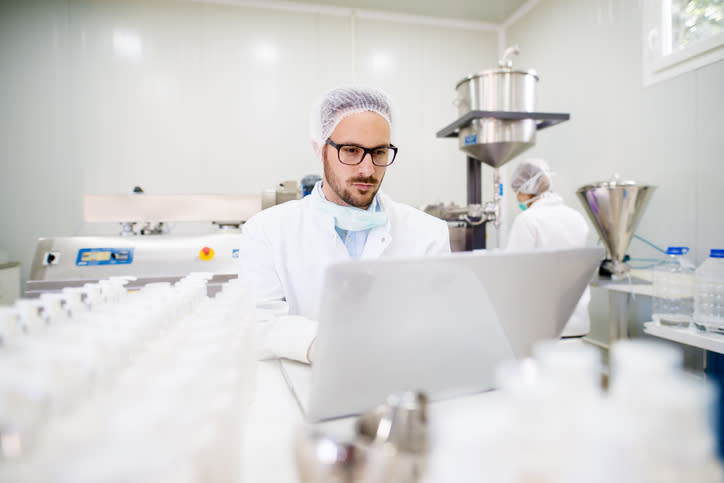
x=547 y=223
x=286 y=248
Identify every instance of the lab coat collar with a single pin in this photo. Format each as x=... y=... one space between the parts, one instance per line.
x=378 y=238
x=548 y=198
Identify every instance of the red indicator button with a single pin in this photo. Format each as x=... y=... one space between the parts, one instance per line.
x=206 y=253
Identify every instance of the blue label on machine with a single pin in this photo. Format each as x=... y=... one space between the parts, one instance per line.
x=235 y=253
x=471 y=139
x=501 y=188
x=104 y=256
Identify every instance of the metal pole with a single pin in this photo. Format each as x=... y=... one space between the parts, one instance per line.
x=618 y=303
x=475 y=197
x=475 y=194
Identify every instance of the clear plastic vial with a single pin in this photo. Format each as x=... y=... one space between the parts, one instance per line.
x=673 y=303
x=709 y=293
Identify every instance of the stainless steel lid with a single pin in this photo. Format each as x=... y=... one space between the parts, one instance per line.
x=493 y=72
x=614 y=183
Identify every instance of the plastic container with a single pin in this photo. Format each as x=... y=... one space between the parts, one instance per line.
x=673 y=303
x=709 y=293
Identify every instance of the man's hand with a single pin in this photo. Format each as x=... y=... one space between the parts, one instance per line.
x=287 y=336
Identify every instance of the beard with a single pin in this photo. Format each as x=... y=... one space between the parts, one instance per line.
x=344 y=189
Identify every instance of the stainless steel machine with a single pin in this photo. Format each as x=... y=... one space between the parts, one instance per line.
x=74 y=261
x=147 y=254
x=497 y=122
x=144 y=250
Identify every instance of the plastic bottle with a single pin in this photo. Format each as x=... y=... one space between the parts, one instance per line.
x=673 y=303
x=709 y=293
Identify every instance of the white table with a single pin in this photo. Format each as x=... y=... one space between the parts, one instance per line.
x=689 y=336
x=274 y=419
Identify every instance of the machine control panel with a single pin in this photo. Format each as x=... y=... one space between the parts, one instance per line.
x=104 y=256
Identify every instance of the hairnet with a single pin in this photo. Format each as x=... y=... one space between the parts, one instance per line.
x=339 y=103
x=532 y=176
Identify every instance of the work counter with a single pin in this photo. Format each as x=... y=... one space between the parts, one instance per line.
x=498 y=436
x=274 y=420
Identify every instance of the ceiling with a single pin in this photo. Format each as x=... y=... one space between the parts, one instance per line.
x=491 y=11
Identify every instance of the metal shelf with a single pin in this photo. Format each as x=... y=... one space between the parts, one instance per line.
x=689 y=336
x=545 y=119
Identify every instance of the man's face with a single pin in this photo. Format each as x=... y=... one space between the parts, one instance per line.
x=355 y=185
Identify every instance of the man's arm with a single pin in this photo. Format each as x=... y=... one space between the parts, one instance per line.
x=278 y=334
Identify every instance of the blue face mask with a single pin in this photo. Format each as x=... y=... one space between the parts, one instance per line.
x=348 y=217
x=526 y=204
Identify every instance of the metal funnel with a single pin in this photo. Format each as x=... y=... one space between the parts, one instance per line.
x=496 y=141
x=615 y=208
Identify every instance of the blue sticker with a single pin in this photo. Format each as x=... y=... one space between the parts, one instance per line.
x=471 y=139
x=235 y=253
x=104 y=256
x=501 y=188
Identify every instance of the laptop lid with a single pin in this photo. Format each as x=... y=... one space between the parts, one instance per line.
x=437 y=324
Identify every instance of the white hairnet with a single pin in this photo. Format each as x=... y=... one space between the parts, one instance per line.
x=339 y=103
x=532 y=176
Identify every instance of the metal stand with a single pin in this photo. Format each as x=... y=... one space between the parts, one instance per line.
x=543 y=120
x=476 y=233
x=618 y=304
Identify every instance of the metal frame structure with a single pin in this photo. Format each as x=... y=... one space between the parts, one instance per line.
x=476 y=237
x=545 y=119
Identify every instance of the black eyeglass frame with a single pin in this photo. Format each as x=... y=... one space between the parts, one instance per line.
x=366 y=151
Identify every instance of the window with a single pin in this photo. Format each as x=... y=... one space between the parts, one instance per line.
x=680 y=36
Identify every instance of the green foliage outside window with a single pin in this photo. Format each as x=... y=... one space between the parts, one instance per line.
x=694 y=20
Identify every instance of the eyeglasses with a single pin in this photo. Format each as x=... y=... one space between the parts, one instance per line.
x=351 y=154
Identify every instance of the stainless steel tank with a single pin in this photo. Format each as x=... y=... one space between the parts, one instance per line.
x=492 y=140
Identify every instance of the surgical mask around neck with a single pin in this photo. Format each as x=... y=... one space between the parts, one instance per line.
x=348 y=217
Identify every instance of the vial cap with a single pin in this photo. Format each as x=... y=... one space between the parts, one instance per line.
x=716 y=253
x=677 y=250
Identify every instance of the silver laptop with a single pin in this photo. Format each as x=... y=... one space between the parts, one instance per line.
x=438 y=324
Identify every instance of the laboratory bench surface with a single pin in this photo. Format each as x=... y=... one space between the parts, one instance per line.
x=274 y=419
x=687 y=335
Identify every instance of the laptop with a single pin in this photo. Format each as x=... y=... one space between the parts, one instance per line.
x=436 y=324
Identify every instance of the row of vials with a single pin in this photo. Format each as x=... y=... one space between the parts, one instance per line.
x=101 y=384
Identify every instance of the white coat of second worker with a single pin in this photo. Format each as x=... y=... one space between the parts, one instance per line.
x=550 y=224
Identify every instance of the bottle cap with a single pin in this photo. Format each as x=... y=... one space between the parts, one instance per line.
x=716 y=253
x=677 y=250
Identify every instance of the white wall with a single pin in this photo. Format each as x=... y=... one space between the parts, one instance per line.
x=180 y=97
x=589 y=56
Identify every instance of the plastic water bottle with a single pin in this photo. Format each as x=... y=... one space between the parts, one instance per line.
x=709 y=294
x=673 y=303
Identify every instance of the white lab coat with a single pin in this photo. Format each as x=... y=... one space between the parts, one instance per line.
x=550 y=224
x=286 y=248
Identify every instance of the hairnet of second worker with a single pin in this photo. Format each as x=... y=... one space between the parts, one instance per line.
x=532 y=176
